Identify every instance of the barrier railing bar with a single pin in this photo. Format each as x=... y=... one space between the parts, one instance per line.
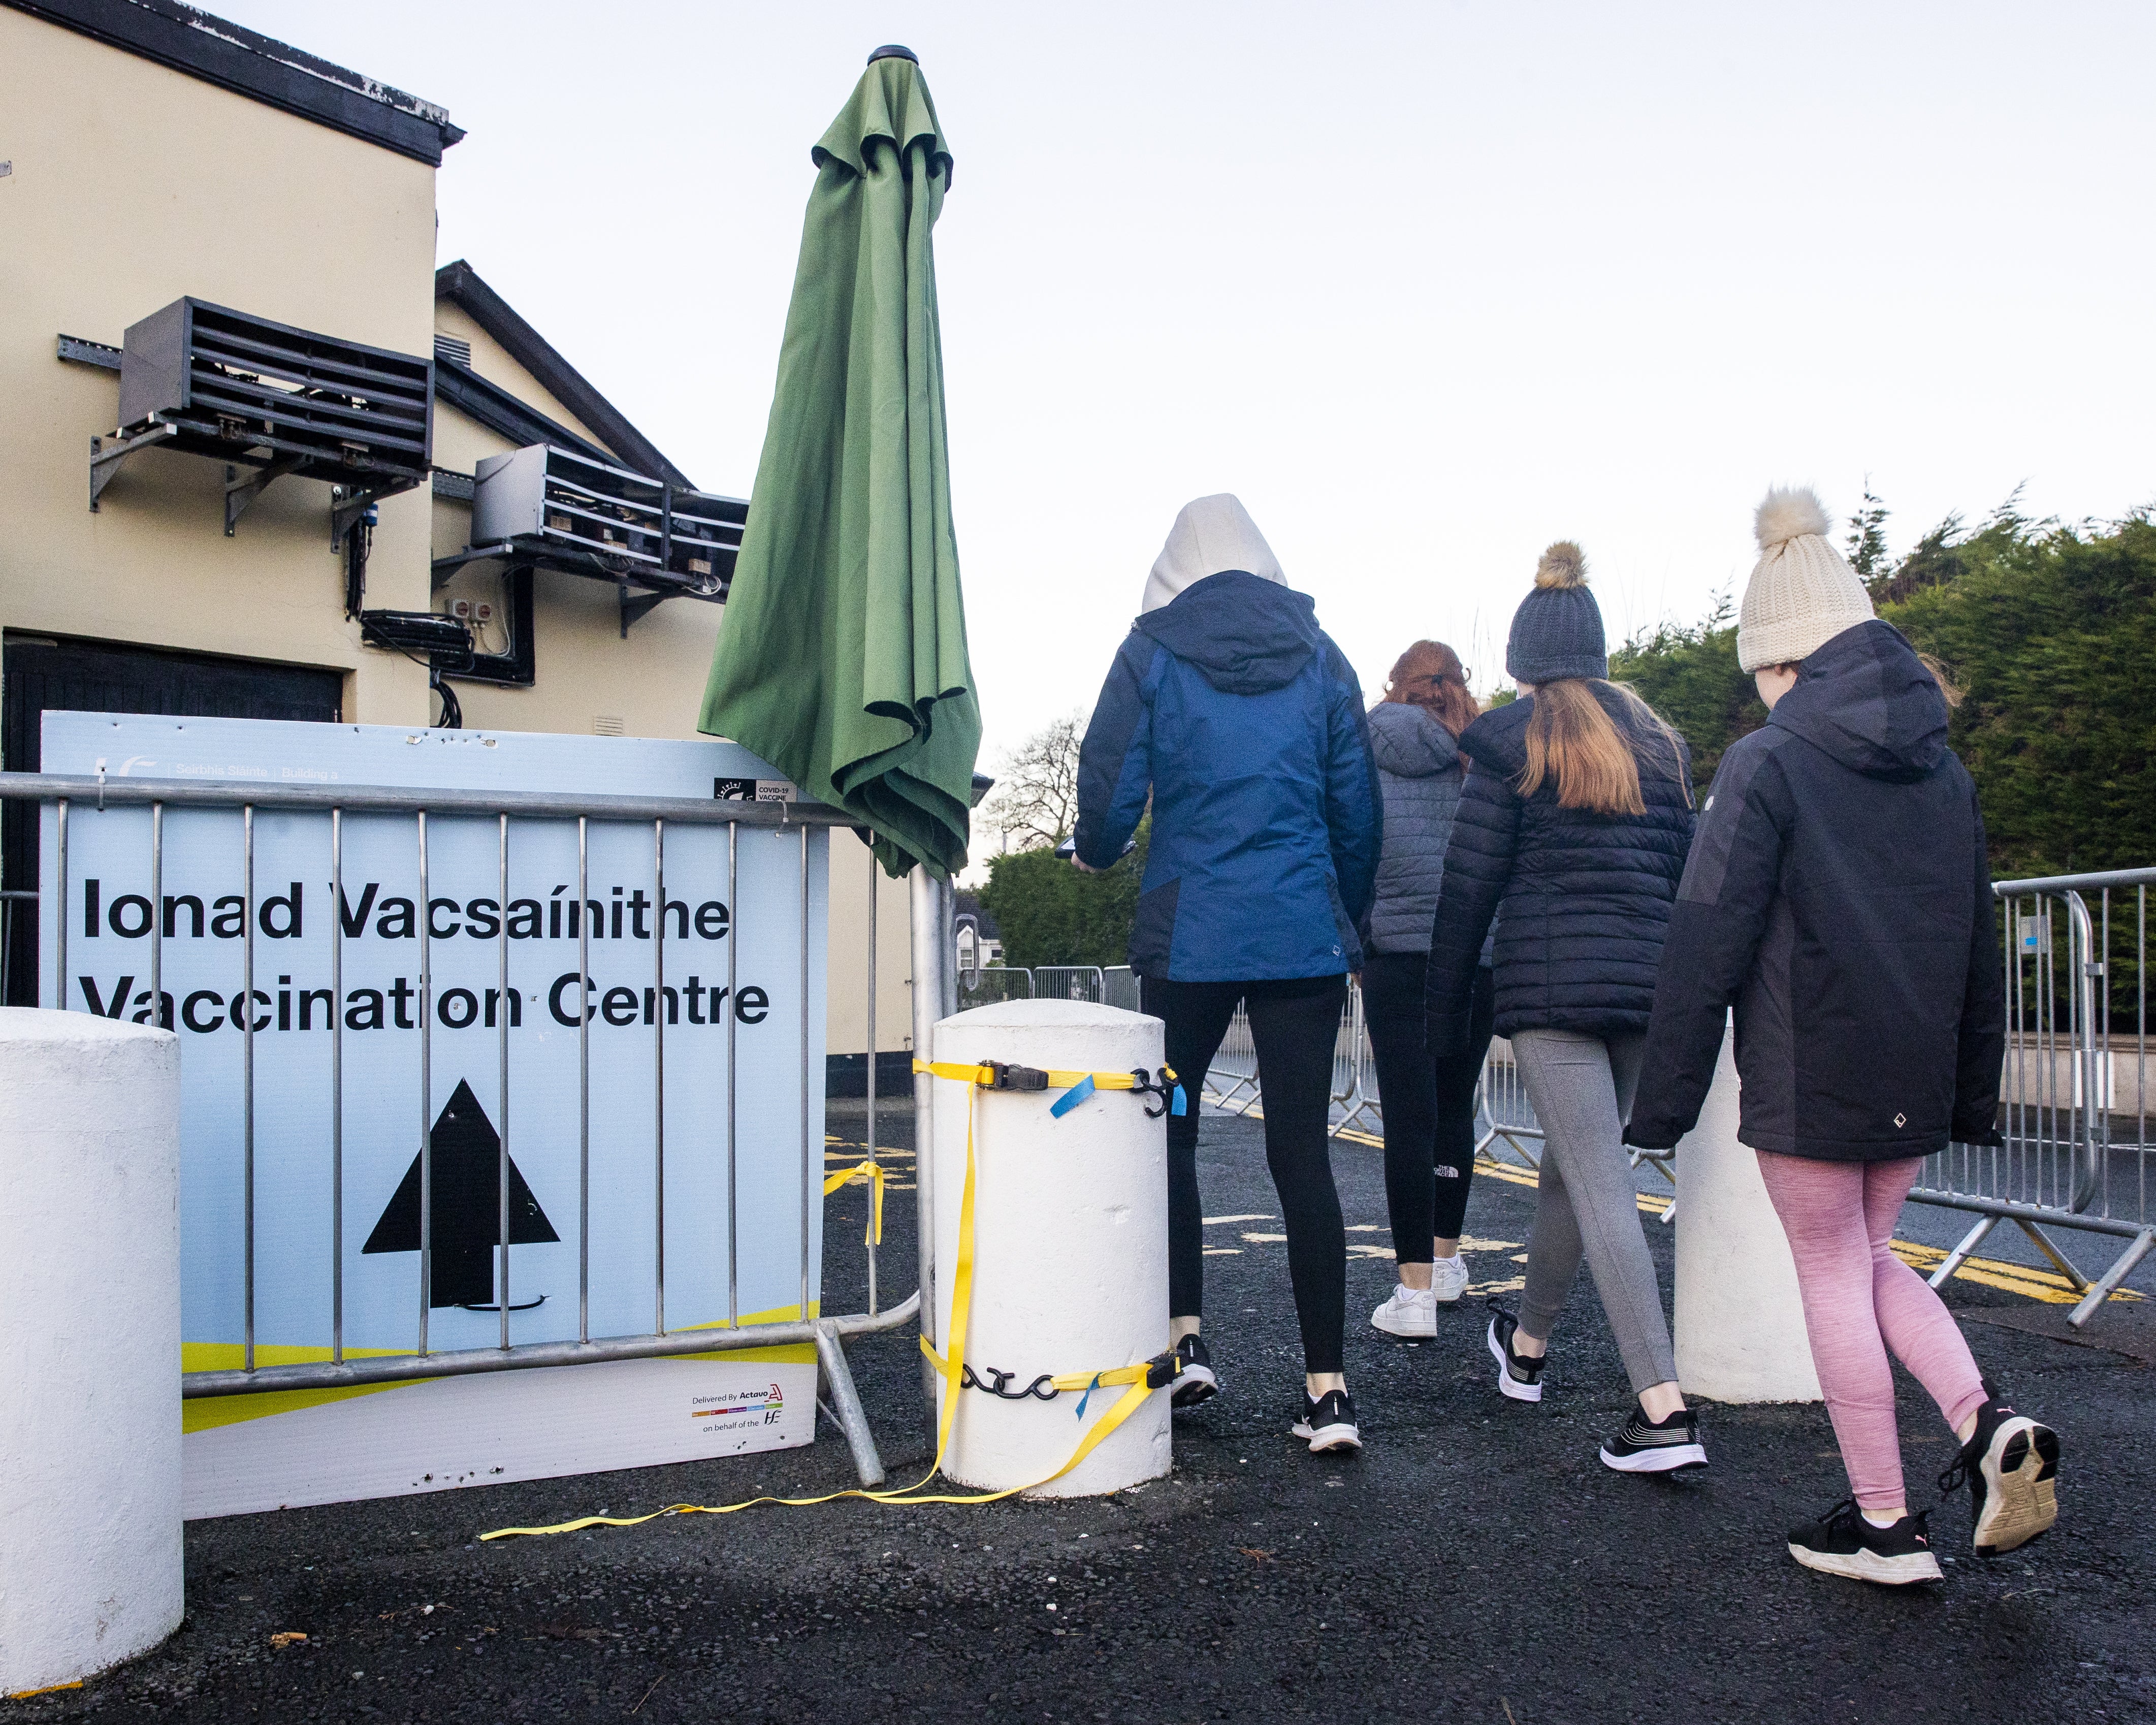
x=501 y=1173
x=875 y=883
x=322 y=1374
x=808 y=1182
x=426 y=1092
x=583 y=1082
x=733 y=1087
x=247 y=1062
x=659 y=1079
x=60 y=921
x=157 y=917
x=392 y=799
x=2061 y=883
x=336 y=1085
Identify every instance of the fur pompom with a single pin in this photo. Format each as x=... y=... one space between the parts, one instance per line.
x=1563 y=565
x=1787 y=514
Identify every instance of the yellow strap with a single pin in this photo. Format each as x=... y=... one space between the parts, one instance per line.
x=874 y=1172
x=951 y=1368
x=984 y=1077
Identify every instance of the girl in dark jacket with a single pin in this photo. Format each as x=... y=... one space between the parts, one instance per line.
x=1428 y=1105
x=1572 y=829
x=1230 y=709
x=1838 y=898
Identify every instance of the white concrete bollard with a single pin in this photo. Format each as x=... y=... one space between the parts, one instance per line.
x=1740 y=1321
x=90 y=1310
x=1069 y=1244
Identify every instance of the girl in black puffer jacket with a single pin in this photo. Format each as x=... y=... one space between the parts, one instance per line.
x=1572 y=830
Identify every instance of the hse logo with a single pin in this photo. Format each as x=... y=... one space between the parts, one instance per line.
x=738 y=1408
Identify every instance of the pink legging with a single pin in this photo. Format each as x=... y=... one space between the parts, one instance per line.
x=1860 y=1299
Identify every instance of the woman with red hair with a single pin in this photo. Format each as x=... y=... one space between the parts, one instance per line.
x=1429 y=1104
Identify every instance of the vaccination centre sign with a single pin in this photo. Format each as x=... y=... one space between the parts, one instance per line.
x=653 y=1231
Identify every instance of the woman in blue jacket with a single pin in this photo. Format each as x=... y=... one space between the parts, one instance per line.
x=1231 y=711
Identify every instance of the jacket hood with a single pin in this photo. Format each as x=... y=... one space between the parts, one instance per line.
x=1245 y=633
x=1409 y=743
x=1866 y=700
x=1210 y=534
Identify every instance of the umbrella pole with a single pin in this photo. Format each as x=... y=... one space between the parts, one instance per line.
x=935 y=996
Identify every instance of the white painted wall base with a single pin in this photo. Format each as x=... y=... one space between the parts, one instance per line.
x=1740 y=1321
x=90 y=1554
x=1070 y=1243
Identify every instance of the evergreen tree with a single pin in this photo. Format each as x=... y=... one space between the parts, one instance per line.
x=1867 y=538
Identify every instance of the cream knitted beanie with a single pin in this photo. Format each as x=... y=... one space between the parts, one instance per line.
x=1801 y=594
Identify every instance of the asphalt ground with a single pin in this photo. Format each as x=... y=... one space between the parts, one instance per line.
x=1476 y=1563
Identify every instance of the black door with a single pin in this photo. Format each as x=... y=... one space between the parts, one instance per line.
x=39 y=674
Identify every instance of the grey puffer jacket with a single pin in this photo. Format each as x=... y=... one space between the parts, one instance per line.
x=1419 y=773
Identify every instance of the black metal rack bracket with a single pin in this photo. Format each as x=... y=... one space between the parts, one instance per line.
x=105 y=463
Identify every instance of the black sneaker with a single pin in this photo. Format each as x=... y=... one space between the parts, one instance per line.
x=1842 y=1543
x=2011 y=1463
x=1196 y=1382
x=1519 y=1377
x=1329 y=1423
x=1646 y=1445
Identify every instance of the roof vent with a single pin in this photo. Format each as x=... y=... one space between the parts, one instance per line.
x=454 y=348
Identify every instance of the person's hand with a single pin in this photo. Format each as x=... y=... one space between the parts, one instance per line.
x=1082 y=866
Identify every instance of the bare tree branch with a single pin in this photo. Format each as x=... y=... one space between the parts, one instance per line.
x=1035 y=801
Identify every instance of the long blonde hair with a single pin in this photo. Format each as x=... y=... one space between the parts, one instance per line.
x=1570 y=738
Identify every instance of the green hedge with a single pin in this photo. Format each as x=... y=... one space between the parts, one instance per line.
x=2051 y=632
x=1050 y=913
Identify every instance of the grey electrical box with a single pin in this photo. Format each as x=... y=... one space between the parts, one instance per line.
x=243 y=388
x=571 y=512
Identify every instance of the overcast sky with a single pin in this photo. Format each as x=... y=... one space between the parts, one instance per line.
x=1427 y=285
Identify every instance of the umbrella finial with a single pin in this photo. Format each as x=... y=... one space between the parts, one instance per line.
x=894 y=51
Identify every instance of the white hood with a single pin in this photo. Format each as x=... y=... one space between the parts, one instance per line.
x=1211 y=534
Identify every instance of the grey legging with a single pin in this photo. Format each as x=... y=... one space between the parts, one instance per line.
x=1582 y=1087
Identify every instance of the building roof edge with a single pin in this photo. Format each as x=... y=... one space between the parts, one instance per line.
x=461 y=284
x=189 y=40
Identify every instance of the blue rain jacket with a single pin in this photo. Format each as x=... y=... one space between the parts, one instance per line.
x=1243 y=721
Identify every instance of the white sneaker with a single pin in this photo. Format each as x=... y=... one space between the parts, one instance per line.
x=1448 y=1279
x=1411 y=1312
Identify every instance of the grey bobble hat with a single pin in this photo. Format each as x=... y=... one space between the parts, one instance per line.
x=1556 y=632
x=1803 y=594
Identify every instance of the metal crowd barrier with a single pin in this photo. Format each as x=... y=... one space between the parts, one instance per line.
x=1066 y=981
x=2074 y=1095
x=79 y=799
x=990 y=984
x=2076 y=1146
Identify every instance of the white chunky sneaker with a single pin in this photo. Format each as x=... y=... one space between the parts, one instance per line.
x=1448 y=1279
x=1411 y=1313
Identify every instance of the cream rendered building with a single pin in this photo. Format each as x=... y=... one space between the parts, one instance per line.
x=150 y=154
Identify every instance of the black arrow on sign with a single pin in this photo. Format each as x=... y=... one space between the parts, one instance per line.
x=466 y=1209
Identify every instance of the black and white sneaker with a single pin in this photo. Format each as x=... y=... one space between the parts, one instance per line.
x=1329 y=1423
x=1646 y=1445
x=2011 y=1463
x=1842 y=1543
x=1197 y=1381
x=1519 y=1377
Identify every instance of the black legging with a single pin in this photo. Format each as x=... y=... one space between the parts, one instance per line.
x=1428 y=1105
x=1296 y=1026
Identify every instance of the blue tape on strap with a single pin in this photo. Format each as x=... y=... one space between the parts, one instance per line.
x=1179 y=1106
x=1093 y=1385
x=1072 y=1097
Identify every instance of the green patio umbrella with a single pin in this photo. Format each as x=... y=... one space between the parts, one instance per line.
x=842 y=659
